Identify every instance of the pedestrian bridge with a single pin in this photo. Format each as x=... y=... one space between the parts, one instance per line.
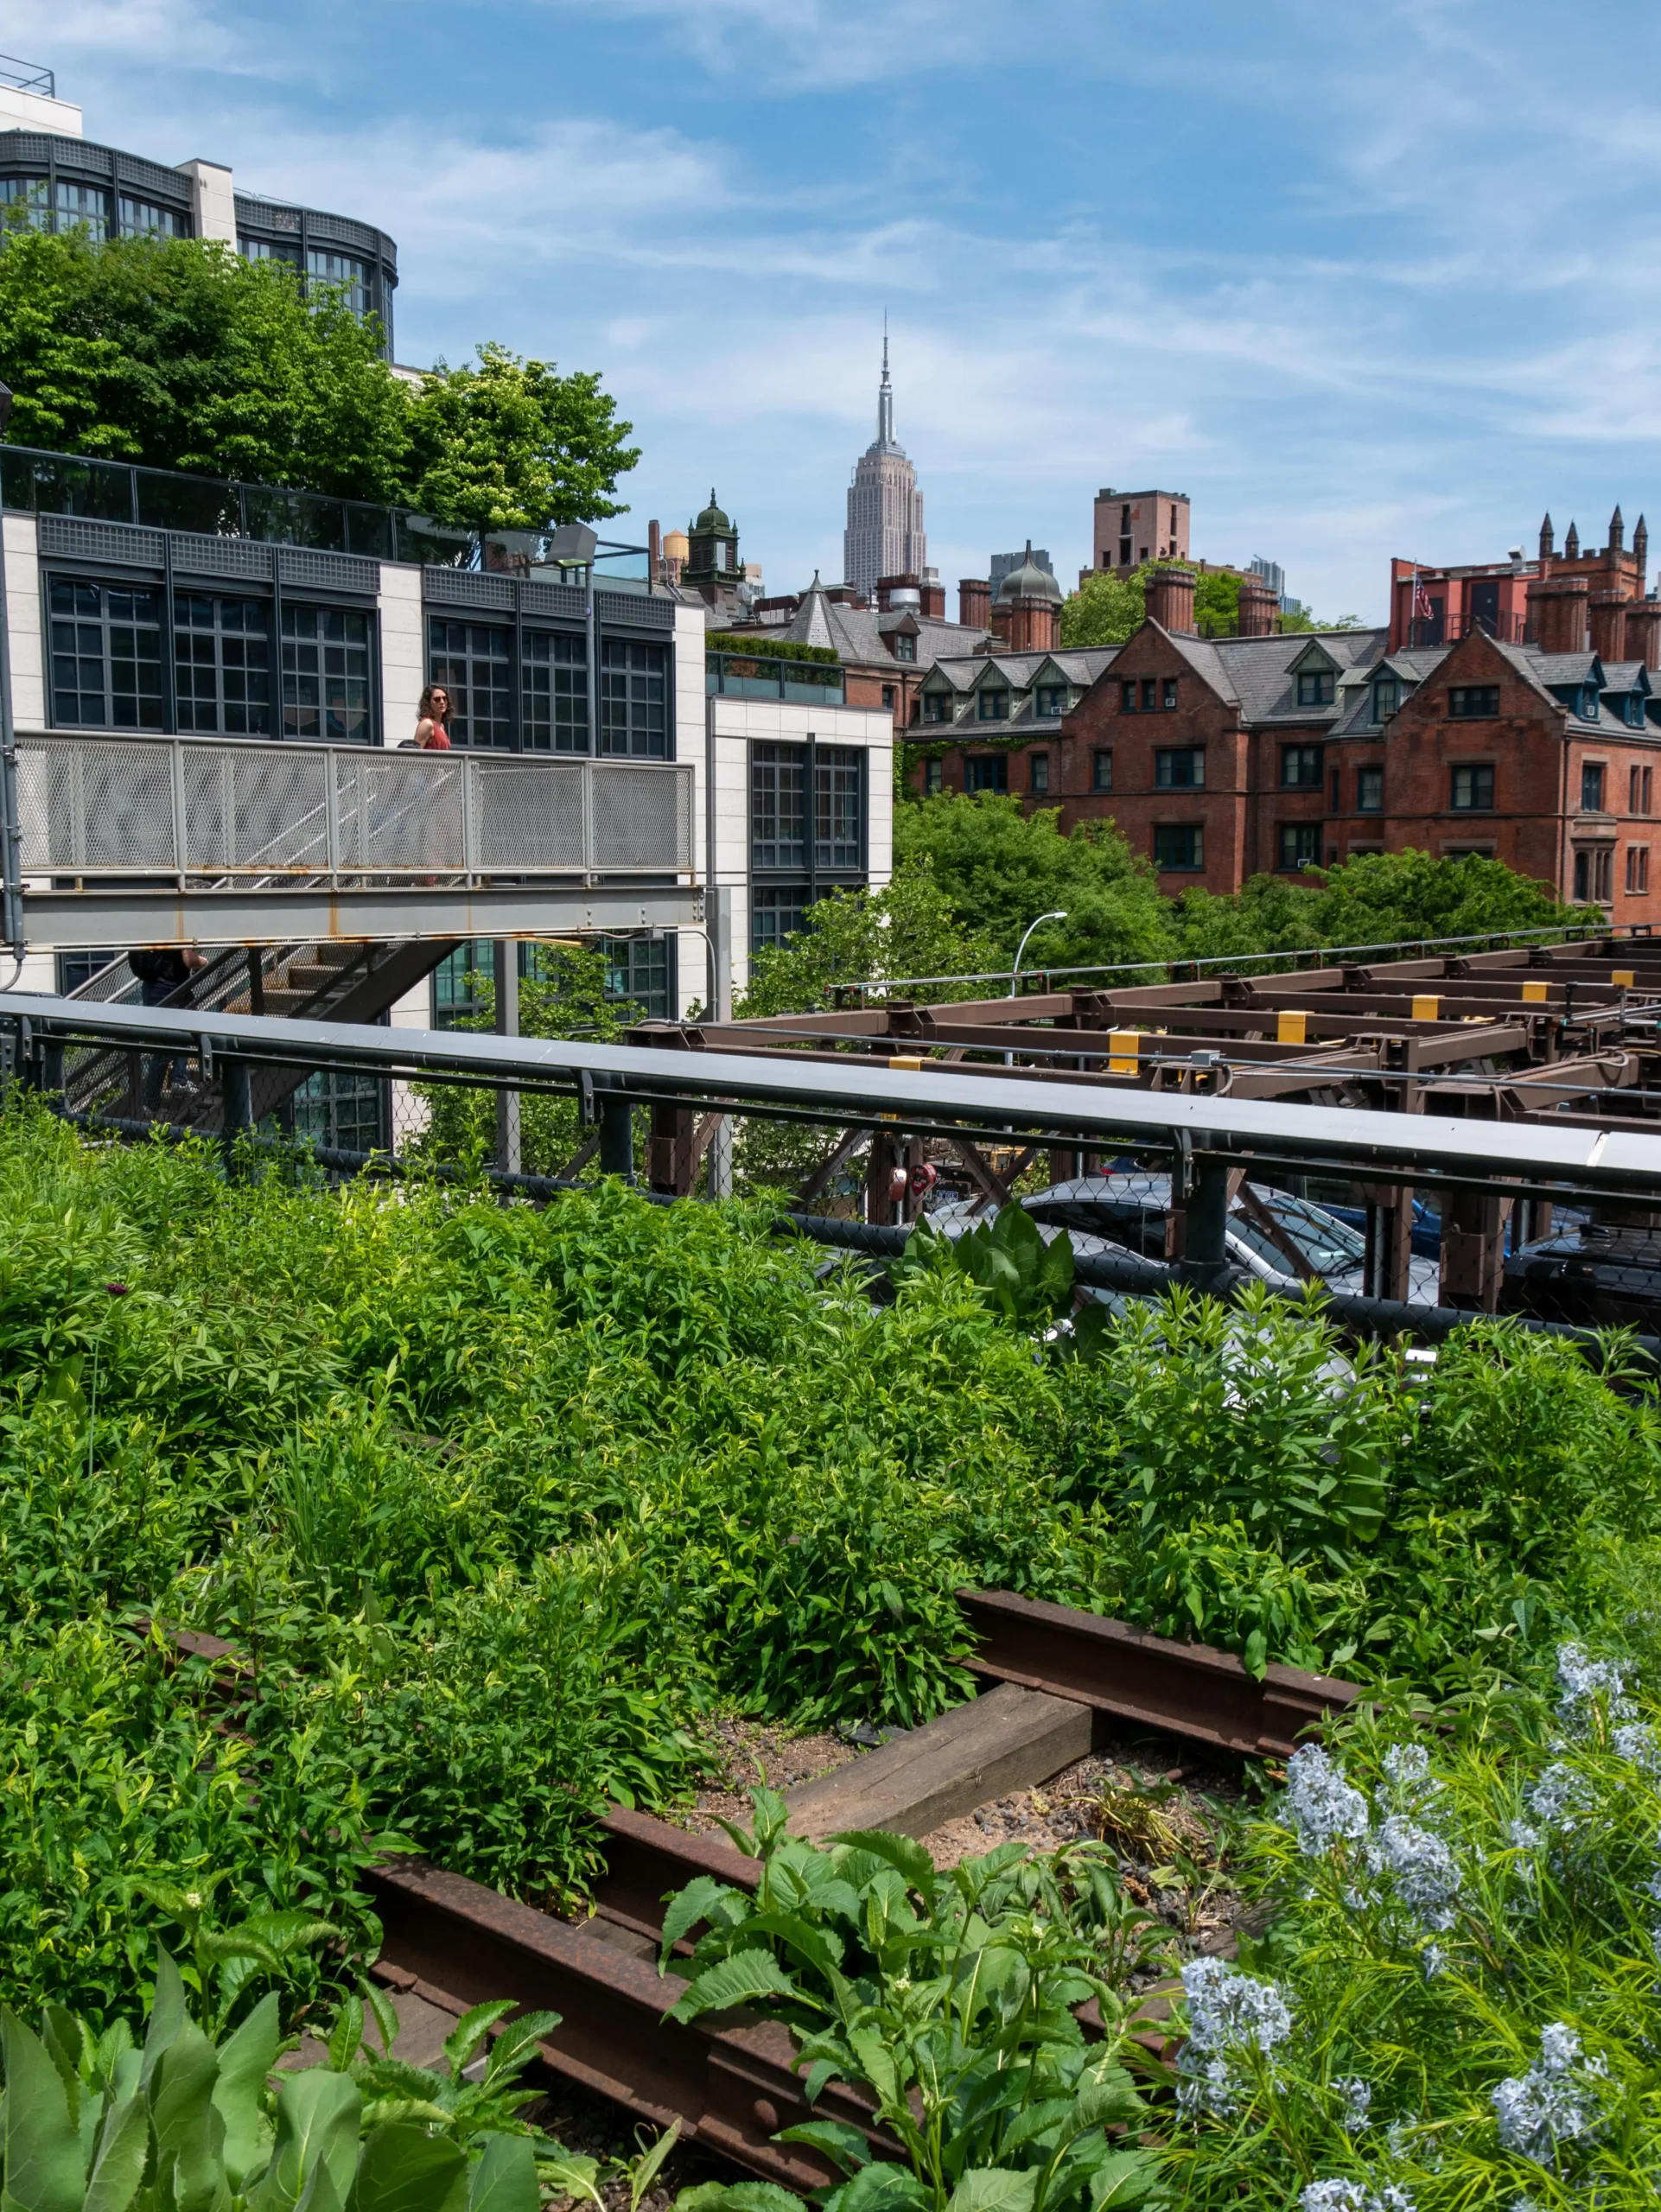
x=203 y=840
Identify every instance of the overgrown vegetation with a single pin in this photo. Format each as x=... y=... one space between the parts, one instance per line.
x=494 y=1504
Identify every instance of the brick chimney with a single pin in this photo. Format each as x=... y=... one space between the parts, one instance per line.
x=1170 y=599
x=1258 y=609
x=1644 y=631
x=933 y=593
x=1609 y=626
x=975 y=603
x=1557 y=614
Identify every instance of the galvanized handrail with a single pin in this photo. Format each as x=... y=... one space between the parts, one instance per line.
x=193 y=810
x=27 y=76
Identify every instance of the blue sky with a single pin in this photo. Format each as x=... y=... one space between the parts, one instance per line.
x=1360 y=280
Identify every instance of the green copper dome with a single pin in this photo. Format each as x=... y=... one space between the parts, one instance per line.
x=712 y=518
x=1030 y=582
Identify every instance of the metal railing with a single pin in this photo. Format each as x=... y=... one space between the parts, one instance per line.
x=763 y=676
x=201 y=810
x=27 y=76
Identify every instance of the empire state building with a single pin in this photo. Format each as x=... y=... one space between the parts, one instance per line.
x=884 y=537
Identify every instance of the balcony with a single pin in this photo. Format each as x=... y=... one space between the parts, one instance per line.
x=760 y=675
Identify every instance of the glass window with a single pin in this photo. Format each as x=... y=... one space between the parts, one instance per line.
x=555 y=692
x=905 y=646
x=1181 y=768
x=1634 y=706
x=1473 y=789
x=455 y=999
x=75 y=968
x=839 y=807
x=325 y=675
x=778 y=789
x=993 y=707
x=1386 y=697
x=106 y=655
x=1370 y=790
x=30 y=193
x=1180 y=845
x=1301 y=767
x=83 y=204
x=933 y=776
x=1591 y=787
x=633 y=699
x=327 y=267
x=474 y=662
x=1101 y=770
x=1149 y=693
x=776 y=912
x=1316 y=687
x=283 y=250
x=1052 y=702
x=937 y=706
x=1300 y=844
x=144 y=218
x=1127 y=698
x=222 y=657
x=1041 y=772
x=987 y=771
x=1638 y=869
x=1168 y=691
x=1588 y=703
x=888 y=696
x=1470 y=702
x=345 y=1110
x=641 y=971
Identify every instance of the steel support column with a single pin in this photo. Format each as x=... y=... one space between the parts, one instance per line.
x=616 y=1138
x=505 y=956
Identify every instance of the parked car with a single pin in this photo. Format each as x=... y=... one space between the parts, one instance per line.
x=1427 y=1225
x=1594 y=1275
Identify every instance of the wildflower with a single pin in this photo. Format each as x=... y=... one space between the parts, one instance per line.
x=1338 y=2195
x=1421 y=1869
x=192 y=1900
x=1635 y=1743
x=1524 y=1837
x=1581 y=1681
x=1558 y=1793
x=1406 y=1770
x=1434 y=1960
x=1547 y=2106
x=1357 y=2095
x=1320 y=1805
x=1230 y=2013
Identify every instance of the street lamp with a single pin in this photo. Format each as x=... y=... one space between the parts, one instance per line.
x=1060 y=915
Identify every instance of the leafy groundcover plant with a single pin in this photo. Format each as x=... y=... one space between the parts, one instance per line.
x=947 y=1999
x=1457 y=2005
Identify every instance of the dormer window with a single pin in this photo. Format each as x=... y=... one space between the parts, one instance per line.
x=1386 y=696
x=1316 y=687
x=905 y=646
x=1052 y=702
x=1634 y=705
x=1588 y=703
x=937 y=707
x=995 y=706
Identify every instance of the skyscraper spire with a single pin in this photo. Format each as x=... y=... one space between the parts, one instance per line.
x=884 y=537
x=885 y=397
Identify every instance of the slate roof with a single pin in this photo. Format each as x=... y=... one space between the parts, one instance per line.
x=860 y=634
x=1257 y=674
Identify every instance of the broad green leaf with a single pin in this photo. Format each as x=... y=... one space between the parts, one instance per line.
x=738 y=2196
x=878 y=2066
x=735 y=1981
x=821 y=1948
x=902 y=1853
x=346 y=2036
x=644 y=2171
x=880 y=2187
x=187 y=2130
x=404 y=2169
x=118 y=2159
x=245 y=2059
x=504 y=2179
x=167 y=2013
x=461 y=2045
x=571 y=2175
x=43 y=2160
x=516 y=2042
x=318 y=2114
x=687 y=1907
x=385 y=2012
x=993 y=2189
x=843 y=2145
x=1125 y=2180
x=62 y=2035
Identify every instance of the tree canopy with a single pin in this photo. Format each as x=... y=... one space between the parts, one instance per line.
x=1107 y=608
x=178 y=353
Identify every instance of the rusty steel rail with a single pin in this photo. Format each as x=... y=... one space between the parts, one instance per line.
x=1186 y=1689
x=727 y=2078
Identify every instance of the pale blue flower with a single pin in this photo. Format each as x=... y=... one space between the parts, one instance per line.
x=1320 y=1805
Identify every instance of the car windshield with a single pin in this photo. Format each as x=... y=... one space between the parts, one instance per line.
x=1330 y=1247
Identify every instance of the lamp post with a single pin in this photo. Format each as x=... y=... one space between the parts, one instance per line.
x=1060 y=915
x=12 y=833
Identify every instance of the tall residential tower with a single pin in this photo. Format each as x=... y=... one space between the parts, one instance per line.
x=884 y=537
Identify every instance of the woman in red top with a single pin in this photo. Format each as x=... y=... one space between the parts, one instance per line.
x=433 y=720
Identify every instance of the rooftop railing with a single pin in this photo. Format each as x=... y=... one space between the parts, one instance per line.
x=756 y=676
x=27 y=76
x=196 y=812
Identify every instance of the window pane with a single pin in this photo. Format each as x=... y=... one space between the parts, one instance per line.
x=1101 y=771
x=87 y=204
x=555 y=693
x=987 y=772
x=341 y=269
x=144 y=218
x=1180 y=846
x=326 y=661
x=778 y=790
x=222 y=660
x=106 y=655
x=348 y=1111
x=473 y=661
x=838 y=808
x=641 y=971
x=633 y=700
x=454 y=998
x=30 y=192
x=269 y=249
x=776 y=912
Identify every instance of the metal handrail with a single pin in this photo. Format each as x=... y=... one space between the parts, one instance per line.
x=27 y=76
x=268 y=816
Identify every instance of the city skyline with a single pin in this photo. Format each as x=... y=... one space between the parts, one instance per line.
x=884 y=535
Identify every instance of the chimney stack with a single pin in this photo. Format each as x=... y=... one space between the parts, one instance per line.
x=1170 y=599
x=1548 y=539
x=1609 y=627
x=975 y=603
x=1557 y=615
x=1644 y=631
x=1572 y=543
x=1258 y=609
x=1641 y=550
x=933 y=593
x=1617 y=531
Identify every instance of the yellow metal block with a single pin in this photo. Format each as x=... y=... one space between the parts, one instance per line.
x=1426 y=1006
x=1292 y=1028
x=906 y=1060
x=1534 y=994
x=1621 y=978
x=1125 y=1048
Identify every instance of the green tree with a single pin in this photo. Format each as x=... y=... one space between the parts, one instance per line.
x=907 y=927
x=514 y=445
x=999 y=867
x=1107 y=609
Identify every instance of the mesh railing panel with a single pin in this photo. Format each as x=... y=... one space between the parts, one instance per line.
x=529 y=817
x=642 y=817
x=276 y=814
x=96 y=808
x=400 y=810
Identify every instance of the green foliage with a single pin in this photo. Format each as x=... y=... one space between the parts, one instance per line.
x=1456 y=1999
x=179 y=353
x=1027 y=1280
x=907 y=927
x=95 y=2123
x=948 y=1999
x=1108 y=610
x=757 y=646
x=999 y=867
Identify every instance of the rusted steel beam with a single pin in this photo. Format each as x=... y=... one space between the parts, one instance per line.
x=728 y=2079
x=1188 y=1689
x=647 y=1861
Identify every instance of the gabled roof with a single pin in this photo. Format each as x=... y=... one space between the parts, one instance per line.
x=1627 y=675
x=1257 y=674
x=1080 y=664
